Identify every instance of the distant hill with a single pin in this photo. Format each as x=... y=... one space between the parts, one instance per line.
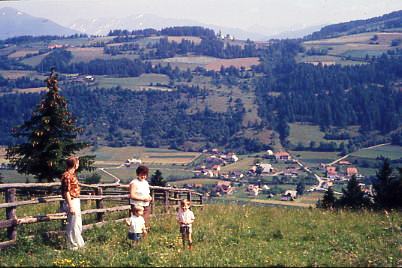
x=388 y=21
x=101 y=26
x=16 y=23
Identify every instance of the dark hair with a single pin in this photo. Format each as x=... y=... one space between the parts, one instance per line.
x=142 y=170
x=71 y=161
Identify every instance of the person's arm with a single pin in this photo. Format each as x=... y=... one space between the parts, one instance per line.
x=128 y=222
x=70 y=205
x=179 y=218
x=191 y=218
x=134 y=196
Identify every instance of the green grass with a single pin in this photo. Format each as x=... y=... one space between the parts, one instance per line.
x=389 y=151
x=305 y=134
x=312 y=158
x=232 y=235
x=134 y=83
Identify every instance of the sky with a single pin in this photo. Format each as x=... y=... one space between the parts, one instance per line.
x=268 y=16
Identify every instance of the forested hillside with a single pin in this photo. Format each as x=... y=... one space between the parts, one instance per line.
x=192 y=100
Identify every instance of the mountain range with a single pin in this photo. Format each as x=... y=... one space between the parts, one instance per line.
x=16 y=23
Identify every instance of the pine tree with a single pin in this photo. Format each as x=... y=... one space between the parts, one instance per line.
x=328 y=201
x=353 y=196
x=388 y=188
x=157 y=179
x=300 y=187
x=49 y=138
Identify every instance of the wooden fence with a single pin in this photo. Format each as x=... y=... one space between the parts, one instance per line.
x=166 y=197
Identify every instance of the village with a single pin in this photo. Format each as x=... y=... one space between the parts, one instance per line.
x=275 y=176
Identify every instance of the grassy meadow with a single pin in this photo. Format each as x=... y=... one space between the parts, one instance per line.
x=392 y=152
x=231 y=235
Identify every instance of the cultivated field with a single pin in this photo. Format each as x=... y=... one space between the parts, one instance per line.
x=239 y=62
x=349 y=49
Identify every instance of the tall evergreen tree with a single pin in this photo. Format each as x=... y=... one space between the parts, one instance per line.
x=300 y=187
x=49 y=138
x=157 y=179
x=388 y=188
x=353 y=196
x=328 y=200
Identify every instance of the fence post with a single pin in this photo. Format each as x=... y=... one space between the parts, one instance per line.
x=166 y=201
x=189 y=196
x=153 y=201
x=202 y=201
x=176 y=196
x=99 y=204
x=11 y=213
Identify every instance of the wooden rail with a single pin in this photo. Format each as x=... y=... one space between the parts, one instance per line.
x=167 y=197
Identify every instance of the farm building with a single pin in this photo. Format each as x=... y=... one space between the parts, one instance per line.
x=331 y=171
x=224 y=187
x=282 y=156
x=253 y=189
x=266 y=168
x=350 y=171
x=289 y=195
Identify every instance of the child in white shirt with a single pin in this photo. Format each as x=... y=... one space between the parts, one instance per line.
x=137 y=224
x=185 y=218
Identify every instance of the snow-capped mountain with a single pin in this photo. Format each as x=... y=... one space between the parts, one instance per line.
x=102 y=26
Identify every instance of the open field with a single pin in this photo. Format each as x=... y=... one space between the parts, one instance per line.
x=389 y=151
x=210 y=63
x=384 y=38
x=239 y=62
x=315 y=158
x=203 y=181
x=230 y=236
x=349 y=49
x=30 y=90
x=305 y=133
x=86 y=54
x=35 y=60
x=195 y=39
x=135 y=83
x=14 y=74
x=120 y=155
x=22 y=53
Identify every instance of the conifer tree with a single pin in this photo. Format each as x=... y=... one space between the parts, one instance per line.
x=49 y=138
x=328 y=201
x=300 y=187
x=388 y=188
x=157 y=179
x=353 y=196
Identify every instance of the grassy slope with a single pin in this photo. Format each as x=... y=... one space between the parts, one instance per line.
x=233 y=236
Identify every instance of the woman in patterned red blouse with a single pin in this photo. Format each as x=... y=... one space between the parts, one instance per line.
x=71 y=193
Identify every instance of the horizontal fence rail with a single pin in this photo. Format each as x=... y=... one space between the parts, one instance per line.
x=165 y=197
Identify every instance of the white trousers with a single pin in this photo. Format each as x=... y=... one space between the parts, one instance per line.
x=74 y=226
